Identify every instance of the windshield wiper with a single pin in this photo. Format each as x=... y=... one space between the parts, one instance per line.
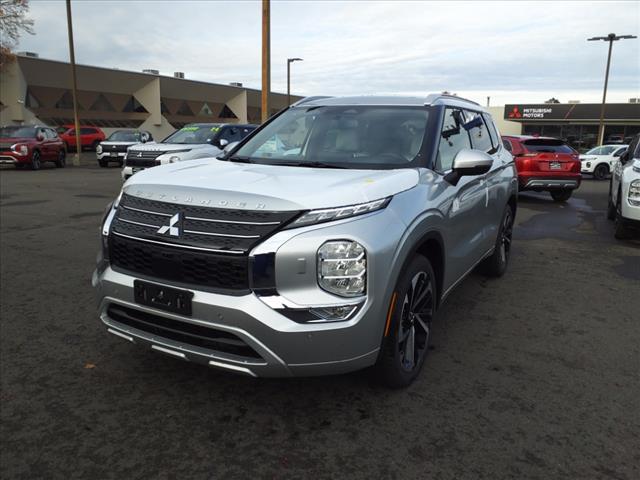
x=309 y=164
x=237 y=158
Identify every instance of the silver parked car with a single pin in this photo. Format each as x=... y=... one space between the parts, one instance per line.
x=323 y=243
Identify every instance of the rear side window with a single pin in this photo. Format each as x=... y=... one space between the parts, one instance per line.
x=495 y=137
x=246 y=131
x=480 y=138
x=547 y=145
x=87 y=131
x=507 y=145
x=453 y=138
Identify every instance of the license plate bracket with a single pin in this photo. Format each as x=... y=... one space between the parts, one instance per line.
x=555 y=166
x=164 y=298
x=114 y=154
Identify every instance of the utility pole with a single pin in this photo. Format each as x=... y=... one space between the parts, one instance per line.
x=289 y=62
x=266 y=59
x=74 y=86
x=612 y=37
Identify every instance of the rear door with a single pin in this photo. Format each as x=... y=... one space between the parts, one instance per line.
x=550 y=155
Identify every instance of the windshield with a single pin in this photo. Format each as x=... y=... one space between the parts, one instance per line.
x=373 y=137
x=602 y=150
x=18 y=132
x=547 y=145
x=194 y=134
x=125 y=136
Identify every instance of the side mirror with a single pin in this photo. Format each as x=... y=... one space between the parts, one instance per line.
x=469 y=162
x=223 y=142
x=39 y=136
x=144 y=138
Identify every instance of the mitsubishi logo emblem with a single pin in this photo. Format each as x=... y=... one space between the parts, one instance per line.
x=173 y=228
x=139 y=154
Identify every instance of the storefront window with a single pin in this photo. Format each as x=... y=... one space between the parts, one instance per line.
x=588 y=137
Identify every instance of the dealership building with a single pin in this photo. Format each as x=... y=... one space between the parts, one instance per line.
x=575 y=123
x=35 y=90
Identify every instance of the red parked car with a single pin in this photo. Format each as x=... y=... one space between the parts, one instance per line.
x=90 y=137
x=545 y=164
x=25 y=145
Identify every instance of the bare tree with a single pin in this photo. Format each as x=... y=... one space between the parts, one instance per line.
x=13 y=22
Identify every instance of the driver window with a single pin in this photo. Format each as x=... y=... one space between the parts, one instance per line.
x=453 y=138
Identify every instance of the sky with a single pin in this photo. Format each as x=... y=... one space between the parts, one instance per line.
x=514 y=52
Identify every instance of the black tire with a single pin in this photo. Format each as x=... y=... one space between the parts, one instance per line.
x=621 y=232
x=601 y=171
x=35 y=160
x=61 y=162
x=497 y=263
x=561 y=195
x=406 y=344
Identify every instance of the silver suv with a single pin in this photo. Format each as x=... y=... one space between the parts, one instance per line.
x=323 y=243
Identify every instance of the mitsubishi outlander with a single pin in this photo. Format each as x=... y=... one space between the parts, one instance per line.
x=323 y=243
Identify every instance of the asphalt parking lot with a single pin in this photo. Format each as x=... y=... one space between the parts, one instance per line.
x=535 y=375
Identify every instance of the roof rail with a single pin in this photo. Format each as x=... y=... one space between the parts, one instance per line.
x=431 y=98
x=310 y=99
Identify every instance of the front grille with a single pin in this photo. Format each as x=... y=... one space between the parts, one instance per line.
x=142 y=158
x=199 y=246
x=5 y=146
x=183 y=332
x=106 y=148
x=188 y=268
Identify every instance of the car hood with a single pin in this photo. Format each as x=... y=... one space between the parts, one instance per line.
x=584 y=157
x=218 y=183
x=171 y=147
x=13 y=140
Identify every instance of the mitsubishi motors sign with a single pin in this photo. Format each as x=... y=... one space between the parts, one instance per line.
x=572 y=111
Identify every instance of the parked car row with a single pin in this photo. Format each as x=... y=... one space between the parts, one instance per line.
x=31 y=146
x=624 y=192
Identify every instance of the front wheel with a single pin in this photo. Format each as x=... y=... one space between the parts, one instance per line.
x=601 y=172
x=621 y=232
x=408 y=332
x=496 y=264
x=61 y=162
x=35 y=161
x=561 y=195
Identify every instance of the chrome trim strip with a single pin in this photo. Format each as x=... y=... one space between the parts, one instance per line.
x=138 y=223
x=196 y=232
x=231 y=221
x=169 y=352
x=147 y=211
x=232 y=367
x=121 y=335
x=235 y=252
x=337 y=361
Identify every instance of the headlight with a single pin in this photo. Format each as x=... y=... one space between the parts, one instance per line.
x=20 y=149
x=99 y=149
x=342 y=268
x=634 y=193
x=174 y=159
x=329 y=214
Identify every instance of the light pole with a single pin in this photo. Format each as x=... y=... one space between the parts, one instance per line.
x=289 y=62
x=266 y=60
x=612 y=37
x=74 y=86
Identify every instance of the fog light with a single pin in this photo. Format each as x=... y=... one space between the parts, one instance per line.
x=334 y=314
x=174 y=159
x=634 y=193
x=342 y=268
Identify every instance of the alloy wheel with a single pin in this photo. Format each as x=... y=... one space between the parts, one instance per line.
x=35 y=161
x=415 y=321
x=506 y=235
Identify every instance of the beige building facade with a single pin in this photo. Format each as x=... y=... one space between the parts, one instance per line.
x=35 y=90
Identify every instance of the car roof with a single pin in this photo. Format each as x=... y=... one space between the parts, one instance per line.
x=530 y=137
x=391 y=100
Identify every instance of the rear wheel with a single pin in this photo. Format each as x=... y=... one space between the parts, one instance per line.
x=61 y=162
x=496 y=264
x=611 y=208
x=621 y=232
x=601 y=172
x=406 y=343
x=561 y=195
x=35 y=160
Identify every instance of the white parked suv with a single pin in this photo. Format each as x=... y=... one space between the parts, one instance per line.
x=600 y=161
x=191 y=142
x=624 y=192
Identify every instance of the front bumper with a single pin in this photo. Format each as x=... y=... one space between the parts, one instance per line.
x=11 y=158
x=283 y=347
